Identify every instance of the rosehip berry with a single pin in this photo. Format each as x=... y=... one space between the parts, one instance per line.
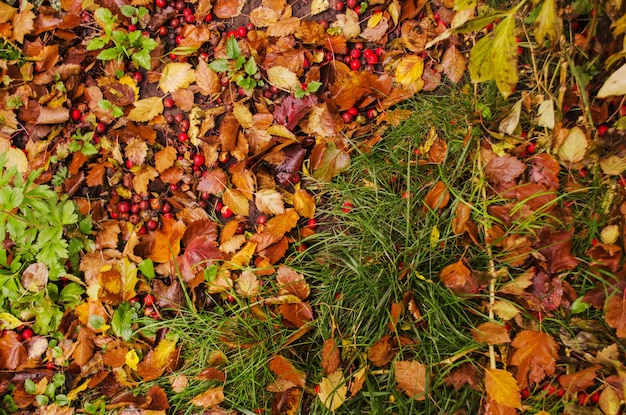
x=249 y=26
x=101 y=128
x=208 y=18
x=179 y=39
x=372 y=113
x=50 y=365
x=27 y=334
x=583 y=398
x=525 y=393
x=129 y=164
x=161 y=3
x=134 y=299
x=152 y=225
x=226 y=212
x=231 y=33
x=379 y=51
x=352 y=3
x=182 y=137
x=174 y=23
x=372 y=59
x=148 y=300
x=355 y=65
x=190 y=18
x=123 y=207
x=347 y=206
x=595 y=397
x=144 y=205
x=134 y=208
x=138 y=76
x=242 y=31
x=76 y=114
x=218 y=206
x=167 y=208
x=311 y=223
x=198 y=160
x=184 y=125
x=132 y=27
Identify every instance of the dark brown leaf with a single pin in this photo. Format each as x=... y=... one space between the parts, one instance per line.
x=12 y=351
x=556 y=247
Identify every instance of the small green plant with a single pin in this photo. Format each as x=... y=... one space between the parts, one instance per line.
x=126 y=44
x=39 y=228
x=50 y=394
x=245 y=73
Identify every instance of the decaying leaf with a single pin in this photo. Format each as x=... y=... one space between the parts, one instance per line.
x=330 y=356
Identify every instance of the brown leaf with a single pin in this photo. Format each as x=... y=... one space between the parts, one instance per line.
x=437 y=198
x=12 y=352
x=453 y=64
x=287 y=402
x=299 y=314
x=210 y=397
x=276 y=229
x=164 y=159
x=97 y=173
x=556 y=247
x=207 y=79
x=381 y=352
x=411 y=378
x=616 y=314
x=211 y=373
x=455 y=275
x=330 y=356
x=581 y=380
x=501 y=387
x=535 y=357
x=490 y=333
x=463 y=375
x=504 y=169
x=23 y=22
x=544 y=170
x=85 y=345
x=157 y=360
x=494 y=408
x=291 y=282
x=283 y=368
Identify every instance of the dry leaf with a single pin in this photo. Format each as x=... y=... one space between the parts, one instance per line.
x=490 y=333
x=146 y=109
x=330 y=356
x=535 y=357
x=269 y=201
x=455 y=275
x=411 y=378
x=210 y=397
x=574 y=147
x=283 y=368
x=333 y=390
x=176 y=75
x=283 y=78
x=502 y=388
x=453 y=64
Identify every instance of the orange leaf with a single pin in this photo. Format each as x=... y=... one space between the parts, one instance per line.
x=581 y=380
x=165 y=159
x=535 y=357
x=437 y=198
x=283 y=368
x=23 y=23
x=167 y=241
x=411 y=378
x=330 y=356
x=291 y=282
x=453 y=64
x=491 y=333
x=299 y=314
x=381 y=352
x=85 y=345
x=502 y=388
x=12 y=351
x=304 y=203
x=210 y=397
x=455 y=275
x=616 y=315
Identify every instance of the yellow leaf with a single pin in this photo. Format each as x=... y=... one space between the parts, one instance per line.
x=349 y=24
x=9 y=321
x=333 y=390
x=502 y=388
x=434 y=237
x=7 y=13
x=504 y=56
x=132 y=359
x=165 y=159
x=394 y=11
x=319 y=6
x=146 y=109
x=176 y=75
x=574 y=146
x=505 y=309
x=243 y=257
x=480 y=63
x=304 y=203
x=237 y=202
x=609 y=401
x=374 y=19
x=281 y=131
x=613 y=165
x=548 y=23
x=269 y=201
x=163 y=353
x=242 y=114
x=545 y=114
x=17 y=158
x=73 y=394
x=609 y=234
x=409 y=70
x=464 y=4
x=283 y=78
x=23 y=23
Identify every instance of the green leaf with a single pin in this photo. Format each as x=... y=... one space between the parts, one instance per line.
x=89 y=149
x=62 y=400
x=233 y=51
x=147 y=268
x=142 y=12
x=313 y=86
x=579 y=306
x=97 y=43
x=134 y=38
x=30 y=387
x=548 y=23
x=480 y=63
x=105 y=104
x=58 y=379
x=504 y=56
x=10 y=198
x=16 y=227
x=117 y=111
x=148 y=44
x=122 y=321
x=128 y=11
x=120 y=37
x=96 y=321
x=68 y=214
x=142 y=59
x=105 y=15
x=85 y=225
x=478 y=23
x=71 y=294
x=219 y=65
x=109 y=54
x=250 y=67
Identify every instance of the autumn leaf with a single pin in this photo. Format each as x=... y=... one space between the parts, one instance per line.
x=164 y=159
x=490 y=333
x=535 y=357
x=7 y=13
x=292 y=282
x=213 y=182
x=207 y=79
x=210 y=397
x=333 y=390
x=269 y=201
x=330 y=356
x=455 y=275
x=409 y=71
x=23 y=22
x=146 y=109
x=437 y=198
x=411 y=378
x=501 y=387
x=319 y=6
x=348 y=23
x=12 y=352
x=573 y=149
x=176 y=75
x=304 y=203
x=283 y=368
x=580 y=380
x=227 y=9
x=504 y=169
x=548 y=23
x=167 y=240
x=283 y=78
x=453 y=64
x=616 y=314
x=327 y=161
x=236 y=201
x=381 y=352
x=615 y=85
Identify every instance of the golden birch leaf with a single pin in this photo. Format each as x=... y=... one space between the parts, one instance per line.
x=7 y=13
x=548 y=24
x=502 y=388
x=176 y=75
x=333 y=390
x=237 y=202
x=304 y=203
x=165 y=159
x=283 y=78
x=613 y=165
x=319 y=6
x=146 y=109
x=23 y=22
x=269 y=201
x=574 y=146
x=242 y=114
x=409 y=70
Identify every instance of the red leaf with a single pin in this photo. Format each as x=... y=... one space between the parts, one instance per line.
x=556 y=247
x=504 y=169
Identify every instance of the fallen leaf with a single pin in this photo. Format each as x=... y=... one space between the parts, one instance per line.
x=504 y=169
x=616 y=314
x=330 y=356
x=283 y=368
x=333 y=390
x=381 y=352
x=167 y=241
x=502 y=388
x=453 y=64
x=490 y=333
x=437 y=198
x=455 y=275
x=12 y=352
x=146 y=109
x=210 y=397
x=269 y=201
x=283 y=78
x=227 y=9
x=292 y=282
x=411 y=378
x=176 y=75
x=23 y=22
x=615 y=85
x=579 y=381
x=319 y=6
x=409 y=71
x=573 y=149
x=535 y=357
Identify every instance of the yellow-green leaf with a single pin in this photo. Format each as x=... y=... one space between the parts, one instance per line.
x=464 y=4
x=613 y=165
x=9 y=321
x=409 y=70
x=504 y=56
x=574 y=147
x=502 y=388
x=146 y=109
x=548 y=23
x=319 y=6
x=480 y=63
x=132 y=359
x=176 y=75
x=333 y=390
x=283 y=78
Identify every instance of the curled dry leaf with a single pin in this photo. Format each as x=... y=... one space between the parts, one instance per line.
x=437 y=198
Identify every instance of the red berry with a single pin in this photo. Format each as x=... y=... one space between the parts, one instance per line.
x=76 y=114
x=352 y=111
x=101 y=128
x=230 y=298
x=152 y=225
x=249 y=26
x=352 y=3
x=242 y=31
x=560 y=392
x=173 y=56
x=132 y=27
x=339 y=5
x=317 y=389
x=347 y=206
x=123 y=207
x=295 y=179
x=622 y=181
x=355 y=65
x=531 y=147
x=355 y=53
x=208 y=18
x=622 y=110
x=184 y=125
x=525 y=393
x=311 y=223
x=168 y=102
x=583 y=398
x=489 y=27
x=179 y=39
x=595 y=397
x=129 y=164
x=190 y=18
x=218 y=206
x=138 y=76
x=161 y=3
x=198 y=160
x=167 y=208
x=261 y=220
x=114 y=215
x=372 y=113
x=594 y=242
x=231 y=33
x=358 y=9
x=347 y=118
x=142 y=231
x=582 y=172
x=50 y=365
x=27 y=334
x=602 y=129
x=372 y=59
x=155 y=203
x=148 y=300
x=182 y=137
x=134 y=299
x=226 y=212
x=379 y=51
x=134 y=208
x=144 y=205
x=174 y=23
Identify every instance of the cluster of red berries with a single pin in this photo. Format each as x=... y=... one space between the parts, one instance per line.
x=582 y=398
x=360 y=57
x=358 y=7
x=148 y=301
x=140 y=209
x=352 y=114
